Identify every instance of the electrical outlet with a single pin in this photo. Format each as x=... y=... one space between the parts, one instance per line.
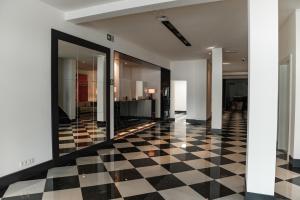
x=28 y=162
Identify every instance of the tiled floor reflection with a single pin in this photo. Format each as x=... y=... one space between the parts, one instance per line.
x=78 y=135
x=169 y=161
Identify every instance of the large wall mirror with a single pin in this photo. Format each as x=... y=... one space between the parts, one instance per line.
x=80 y=93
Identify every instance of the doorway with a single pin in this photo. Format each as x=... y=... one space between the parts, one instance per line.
x=235 y=95
x=284 y=110
x=180 y=100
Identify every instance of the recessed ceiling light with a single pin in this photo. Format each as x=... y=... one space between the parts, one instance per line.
x=231 y=51
x=163 y=18
x=226 y=63
x=210 y=48
x=126 y=63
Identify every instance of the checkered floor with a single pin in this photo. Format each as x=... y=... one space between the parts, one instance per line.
x=78 y=135
x=169 y=161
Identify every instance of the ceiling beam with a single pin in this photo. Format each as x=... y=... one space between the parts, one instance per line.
x=126 y=7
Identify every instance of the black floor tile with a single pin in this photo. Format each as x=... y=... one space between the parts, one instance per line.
x=38 y=196
x=66 y=141
x=177 y=167
x=165 y=182
x=277 y=180
x=295 y=181
x=91 y=168
x=197 y=142
x=216 y=172
x=280 y=197
x=223 y=145
x=149 y=196
x=219 y=160
x=143 y=143
x=165 y=146
x=112 y=157
x=125 y=175
x=172 y=140
x=193 y=149
x=290 y=168
x=222 y=151
x=128 y=150
x=186 y=156
x=144 y=162
x=212 y=190
x=101 y=192
x=62 y=183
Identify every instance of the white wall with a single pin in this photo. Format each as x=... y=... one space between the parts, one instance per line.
x=180 y=92
x=295 y=149
x=289 y=45
x=195 y=73
x=25 y=77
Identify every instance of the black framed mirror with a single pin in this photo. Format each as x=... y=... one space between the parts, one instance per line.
x=80 y=94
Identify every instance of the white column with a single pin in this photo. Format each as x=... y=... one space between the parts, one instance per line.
x=217 y=88
x=67 y=86
x=101 y=92
x=263 y=97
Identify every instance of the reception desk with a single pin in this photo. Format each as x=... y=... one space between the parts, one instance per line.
x=129 y=113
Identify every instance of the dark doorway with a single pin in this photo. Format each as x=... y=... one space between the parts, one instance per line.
x=235 y=94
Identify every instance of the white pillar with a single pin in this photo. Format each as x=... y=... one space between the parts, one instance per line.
x=67 y=86
x=101 y=92
x=263 y=97
x=217 y=88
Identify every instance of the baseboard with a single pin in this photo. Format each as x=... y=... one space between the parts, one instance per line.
x=196 y=121
x=218 y=131
x=256 y=196
x=39 y=169
x=294 y=162
x=25 y=174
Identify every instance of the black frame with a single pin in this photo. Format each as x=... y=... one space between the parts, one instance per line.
x=55 y=37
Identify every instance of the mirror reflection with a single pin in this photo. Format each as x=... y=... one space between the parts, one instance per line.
x=81 y=97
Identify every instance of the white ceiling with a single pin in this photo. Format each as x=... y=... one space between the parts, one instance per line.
x=286 y=7
x=68 y=5
x=220 y=24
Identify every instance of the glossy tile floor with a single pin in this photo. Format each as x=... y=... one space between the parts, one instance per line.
x=79 y=135
x=170 y=161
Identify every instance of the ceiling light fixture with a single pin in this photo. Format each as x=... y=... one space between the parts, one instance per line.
x=210 y=48
x=226 y=63
x=165 y=21
x=231 y=51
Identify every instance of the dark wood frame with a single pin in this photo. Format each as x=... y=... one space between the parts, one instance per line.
x=55 y=37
